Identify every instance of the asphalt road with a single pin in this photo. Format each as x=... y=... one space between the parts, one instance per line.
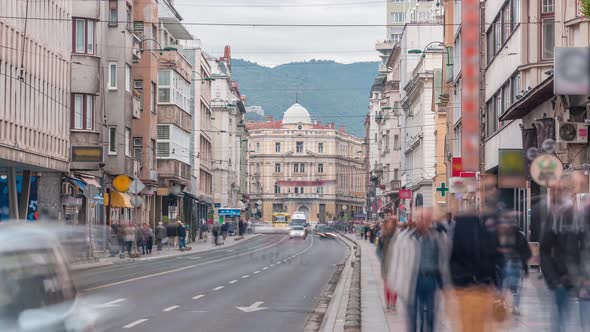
x=269 y=283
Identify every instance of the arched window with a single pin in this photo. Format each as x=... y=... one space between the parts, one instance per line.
x=277 y=188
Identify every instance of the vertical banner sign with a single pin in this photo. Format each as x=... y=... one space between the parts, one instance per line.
x=470 y=77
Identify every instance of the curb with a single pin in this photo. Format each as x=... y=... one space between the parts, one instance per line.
x=97 y=264
x=353 y=310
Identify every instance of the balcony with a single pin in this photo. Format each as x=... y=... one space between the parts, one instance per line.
x=395 y=185
x=176 y=61
x=392 y=86
x=170 y=169
x=384 y=46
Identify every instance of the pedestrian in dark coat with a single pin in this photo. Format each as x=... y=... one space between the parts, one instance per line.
x=181 y=233
x=149 y=239
x=141 y=239
x=171 y=230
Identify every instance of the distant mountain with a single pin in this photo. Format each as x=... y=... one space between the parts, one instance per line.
x=331 y=91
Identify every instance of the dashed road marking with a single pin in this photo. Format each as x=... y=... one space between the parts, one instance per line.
x=264 y=268
x=198 y=297
x=256 y=272
x=218 y=287
x=233 y=281
x=171 y=308
x=137 y=322
x=244 y=277
x=278 y=263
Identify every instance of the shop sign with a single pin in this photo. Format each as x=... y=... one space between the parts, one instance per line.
x=405 y=194
x=87 y=154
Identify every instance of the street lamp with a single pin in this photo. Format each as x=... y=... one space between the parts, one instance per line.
x=423 y=52
x=160 y=48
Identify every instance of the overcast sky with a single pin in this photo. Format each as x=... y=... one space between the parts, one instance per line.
x=277 y=45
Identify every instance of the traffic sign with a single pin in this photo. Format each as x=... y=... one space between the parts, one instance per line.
x=122 y=183
x=546 y=170
x=217 y=205
x=136 y=186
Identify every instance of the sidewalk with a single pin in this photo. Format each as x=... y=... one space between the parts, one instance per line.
x=535 y=301
x=197 y=246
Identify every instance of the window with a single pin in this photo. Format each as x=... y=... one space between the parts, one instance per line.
x=548 y=37
x=277 y=188
x=398 y=17
x=153 y=98
x=112 y=75
x=138 y=28
x=299 y=147
x=320 y=168
x=113 y=13
x=277 y=168
x=396 y=174
x=501 y=28
x=155 y=37
x=298 y=168
x=507 y=26
x=395 y=37
x=137 y=148
x=173 y=89
x=320 y=190
x=128 y=141
x=83 y=112
x=301 y=190
x=297 y=190
x=163 y=143
x=320 y=147
x=113 y=140
x=257 y=147
x=127 y=78
x=548 y=6
x=396 y=145
x=491 y=117
x=83 y=30
x=277 y=147
x=514 y=84
x=514 y=13
x=129 y=22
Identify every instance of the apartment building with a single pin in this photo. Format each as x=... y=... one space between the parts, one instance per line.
x=34 y=107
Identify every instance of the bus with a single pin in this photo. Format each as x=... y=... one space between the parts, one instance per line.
x=280 y=219
x=299 y=219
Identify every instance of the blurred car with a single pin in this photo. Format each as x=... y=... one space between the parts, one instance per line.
x=37 y=292
x=325 y=232
x=297 y=232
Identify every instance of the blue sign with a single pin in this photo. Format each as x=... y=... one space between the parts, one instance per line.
x=229 y=212
x=217 y=205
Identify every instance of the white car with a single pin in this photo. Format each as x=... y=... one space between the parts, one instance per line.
x=297 y=231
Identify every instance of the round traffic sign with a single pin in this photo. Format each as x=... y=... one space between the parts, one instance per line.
x=546 y=170
x=136 y=201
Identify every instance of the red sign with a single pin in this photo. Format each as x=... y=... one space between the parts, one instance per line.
x=405 y=194
x=305 y=183
x=470 y=66
x=457 y=169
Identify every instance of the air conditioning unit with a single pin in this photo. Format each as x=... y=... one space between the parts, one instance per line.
x=136 y=52
x=572 y=132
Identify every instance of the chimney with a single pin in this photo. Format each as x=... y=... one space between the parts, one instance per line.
x=269 y=118
x=332 y=125
x=342 y=129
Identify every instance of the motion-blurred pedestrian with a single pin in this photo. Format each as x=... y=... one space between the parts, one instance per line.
x=161 y=235
x=171 y=233
x=181 y=233
x=149 y=234
x=387 y=238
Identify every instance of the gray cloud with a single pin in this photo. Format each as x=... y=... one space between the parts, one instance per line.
x=277 y=45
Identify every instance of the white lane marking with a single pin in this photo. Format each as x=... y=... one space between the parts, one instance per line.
x=199 y=311
x=252 y=308
x=184 y=268
x=218 y=287
x=271 y=265
x=193 y=258
x=111 y=304
x=264 y=268
x=233 y=281
x=256 y=272
x=137 y=322
x=171 y=308
x=244 y=277
x=198 y=297
x=278 y=263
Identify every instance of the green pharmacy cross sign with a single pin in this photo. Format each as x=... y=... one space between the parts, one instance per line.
x=442 y=189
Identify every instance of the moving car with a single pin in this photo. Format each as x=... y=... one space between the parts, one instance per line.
x=299 y=219
x=37 y=292
x=325 y=231
x=298 y=232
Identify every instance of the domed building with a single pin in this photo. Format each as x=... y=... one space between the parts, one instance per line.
x=298 y=164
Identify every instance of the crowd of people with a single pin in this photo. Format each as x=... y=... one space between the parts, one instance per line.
x=474 y=265
x=140 y=239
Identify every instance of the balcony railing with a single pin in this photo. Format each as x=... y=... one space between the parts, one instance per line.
x=395 y=185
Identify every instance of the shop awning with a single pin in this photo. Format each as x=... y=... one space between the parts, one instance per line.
x=534 y=98
x=191 y=196
x=91 y=181
x=118 y=200
x=76 y=182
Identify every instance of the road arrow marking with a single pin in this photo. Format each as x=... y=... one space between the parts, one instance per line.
x=218 y=288
x=198 y=297
x=137 y=322
x=254 y=307
x=171 y=308
x=112 y=304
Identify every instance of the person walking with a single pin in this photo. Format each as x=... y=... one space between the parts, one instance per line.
x=514 y=247
x=161 y=235
x=181 y=233
x=387 y=237
x=562 y=242
x=171 y=230
x=140 y=238
x=149 y=234
x=241 y=227
x=129 y=238
x=216 y=234
x=224 y=228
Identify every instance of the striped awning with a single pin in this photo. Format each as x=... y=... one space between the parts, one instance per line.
x=118 y=200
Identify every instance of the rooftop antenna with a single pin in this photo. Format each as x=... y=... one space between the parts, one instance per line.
x=296 y=98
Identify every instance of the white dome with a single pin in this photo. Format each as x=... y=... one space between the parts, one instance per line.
x=296 y=114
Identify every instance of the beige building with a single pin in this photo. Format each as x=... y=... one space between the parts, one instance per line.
x=298 y=164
